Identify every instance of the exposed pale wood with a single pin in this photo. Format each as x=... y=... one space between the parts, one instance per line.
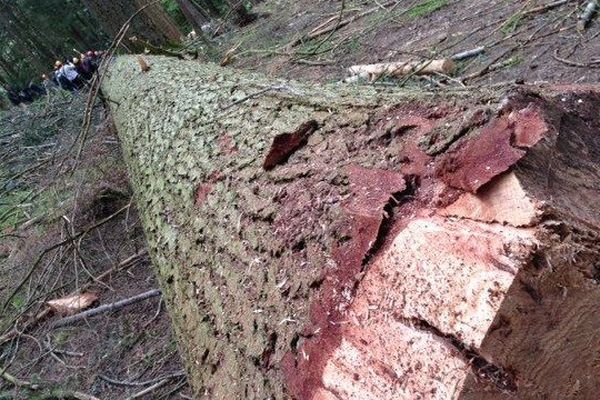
x=403 y=68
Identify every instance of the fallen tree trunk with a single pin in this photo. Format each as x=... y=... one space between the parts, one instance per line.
x=338 y=243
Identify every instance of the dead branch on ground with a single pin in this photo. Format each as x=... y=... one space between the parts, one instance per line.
x=591 y=64
x=315 y=33
x=54 y=247
x=106 y=308
x=34 y=320
x=116 y=382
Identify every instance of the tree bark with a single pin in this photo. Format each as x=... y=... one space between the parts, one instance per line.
x=193 y=15
x=336 y=242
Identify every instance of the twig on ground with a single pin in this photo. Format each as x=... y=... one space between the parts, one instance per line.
x=180 y=385
x=573 y=63
x=332 y=32
x=158 y=310
x=486 y=68
x=545 y=7
x=313 y=63
x=115 y=382
x=325 y=30
x=451 y=79
x=152 y=388
x=106 y=308
x=67 y=394
x=19 y=382
x=468 y=53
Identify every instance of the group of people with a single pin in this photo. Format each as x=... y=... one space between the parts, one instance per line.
x=71 y=75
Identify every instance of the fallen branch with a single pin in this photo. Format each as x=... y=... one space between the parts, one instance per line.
x=319 y=32
x=31 y=322
x=105 y=308
x=573 y=63
x=149 y=390
x=484 y=70
x=115 y=382
x=60 y=394
x=56 y=246
x=332 y=32
x=313 y=63
x=403 y=68
x=18 y=382
x=588 y=13
x=545 y=7
x=468 y=53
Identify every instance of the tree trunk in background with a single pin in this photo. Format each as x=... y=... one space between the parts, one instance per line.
x=241 y=16
x=336 y=242
x=213 y=7
x=193 y=15
x=161 y=21
x=26 y=44
x=153 y=25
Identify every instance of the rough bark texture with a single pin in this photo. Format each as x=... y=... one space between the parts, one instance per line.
x=398 y=246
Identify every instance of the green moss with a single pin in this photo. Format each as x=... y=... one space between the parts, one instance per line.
x=13 y=209
x=425 y=8
x=511 y=24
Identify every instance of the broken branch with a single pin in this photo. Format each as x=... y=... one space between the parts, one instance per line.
x=56 y=246
x=105 y=308
x=545 y=7
x=468 y=53
x=316 y=33
x=18 y=382
x=14 y=332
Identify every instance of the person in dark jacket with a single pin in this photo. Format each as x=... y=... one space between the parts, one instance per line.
x=84 y=67
x=13 y=96
x=61 y=78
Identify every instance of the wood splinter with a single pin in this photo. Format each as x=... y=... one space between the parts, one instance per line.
x=143 y=64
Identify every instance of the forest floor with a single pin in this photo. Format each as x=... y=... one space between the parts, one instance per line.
x=522 y=40
x=48 y=193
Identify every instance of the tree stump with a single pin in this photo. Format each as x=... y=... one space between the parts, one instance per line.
x=400 y=245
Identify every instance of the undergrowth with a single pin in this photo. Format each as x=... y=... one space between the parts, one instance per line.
x=425 y=8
